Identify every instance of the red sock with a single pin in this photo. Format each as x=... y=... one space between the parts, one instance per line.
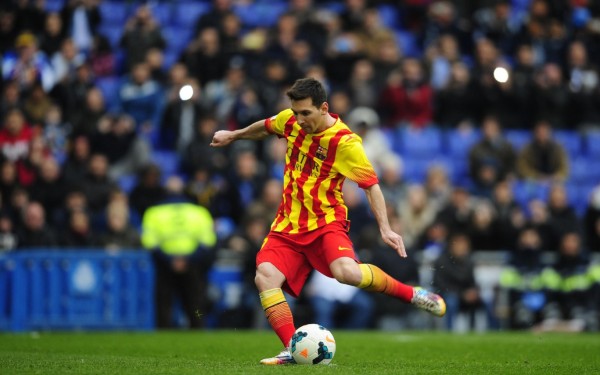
x=278 y=314
x=375 y=280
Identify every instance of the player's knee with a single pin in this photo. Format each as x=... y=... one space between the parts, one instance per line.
x=267 y=278
x=347 y=273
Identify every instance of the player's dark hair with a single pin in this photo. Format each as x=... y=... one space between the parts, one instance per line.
x=308 y=88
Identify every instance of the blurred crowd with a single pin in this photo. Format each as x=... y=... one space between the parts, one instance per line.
x=87 y=119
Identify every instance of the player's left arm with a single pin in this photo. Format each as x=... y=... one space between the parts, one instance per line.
x=377 y=203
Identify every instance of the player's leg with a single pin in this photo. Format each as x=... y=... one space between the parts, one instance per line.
x=373 y=279
x=269 y=281
x=280 y=266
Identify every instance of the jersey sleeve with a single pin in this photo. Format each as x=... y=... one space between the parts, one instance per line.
x=352 y=162
x=277 y=124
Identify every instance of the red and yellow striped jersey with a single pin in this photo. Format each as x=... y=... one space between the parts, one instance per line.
x=316 y=166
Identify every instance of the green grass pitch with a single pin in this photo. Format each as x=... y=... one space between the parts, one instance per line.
x=238 y=352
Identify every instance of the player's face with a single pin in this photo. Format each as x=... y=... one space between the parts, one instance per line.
x=312 y=119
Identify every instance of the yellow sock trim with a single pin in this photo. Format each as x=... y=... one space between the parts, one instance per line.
x=271 y=297
x=367 y=276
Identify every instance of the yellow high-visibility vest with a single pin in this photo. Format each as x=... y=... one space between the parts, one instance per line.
x=178 y=228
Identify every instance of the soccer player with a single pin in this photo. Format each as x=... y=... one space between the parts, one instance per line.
x=310 y=230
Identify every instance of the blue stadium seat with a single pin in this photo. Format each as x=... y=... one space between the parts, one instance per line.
x=177 y=37
x=109 y=86
x=570 y=140
x=408 y=44
x=114 y=13
x=54 y=5
x=592 y=142
x=419 y=142
x=525 y=191
x=168 y=161
x=416 y=168
x=389 y=16
x=518 y=138
x=333 y=6
x=127 y=182
x=187 y=13
x=459 y=142
x=257 y=15
x=112 y=33
x=163 y=13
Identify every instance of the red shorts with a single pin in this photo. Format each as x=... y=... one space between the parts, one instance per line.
x=296 y=255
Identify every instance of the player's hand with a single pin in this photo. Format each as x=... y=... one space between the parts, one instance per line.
x=222 y=138
x=394 y=240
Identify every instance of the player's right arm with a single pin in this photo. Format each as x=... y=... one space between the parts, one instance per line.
x=254 y=132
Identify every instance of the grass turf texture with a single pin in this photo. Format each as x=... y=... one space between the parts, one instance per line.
x=238 y=352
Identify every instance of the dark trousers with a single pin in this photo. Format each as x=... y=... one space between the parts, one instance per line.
x=189 y=287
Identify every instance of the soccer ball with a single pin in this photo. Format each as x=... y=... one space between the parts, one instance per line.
x=312 y=344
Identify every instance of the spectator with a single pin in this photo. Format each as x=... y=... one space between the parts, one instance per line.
x=591 y=222
x=148 y=190
x=198 y=151
x=456 y=214
x=11 y=98
x=15 y=136
x=570 y=289
x=498 y=24
x=116 y=139
x=81 y=19
x=523 y=87
x=103 y=60
x=141 y=33
x=417 y=215
x=29 y=15
x=76 y=165
x=244 y=184
x=583 y=87
x=72 y=96
x=362 y=85
x=204 y=57
x=441 y=57
x=221 y=95
x=327 y=297
x=75 y=201
x=438 y=186
x=55 y=132
x=97 y=184
x=510 y=217
x=521 y=281
x=492 y=159
x=539 y=219
x=142 y=98
x=78 y=233
x=206 y=189
x=50 y=187
x=551 y=96
x=36 y=105
x=391 y=179
x=215 y=16
x=66 y=60
x=543 y=159
x=407 y=98
x=53 y=34
x=269 y=201
x=454 y=277
x=86 y=119
x=8 y=180
x=27 y=65
x=35 y=233
x=483 y=229
x=8 y=238
x=456 y=101
x=8 y=30
x=563 y=218
x=119 y=234
x=179 y=259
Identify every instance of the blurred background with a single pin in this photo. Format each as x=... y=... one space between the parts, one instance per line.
x=482 y=119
